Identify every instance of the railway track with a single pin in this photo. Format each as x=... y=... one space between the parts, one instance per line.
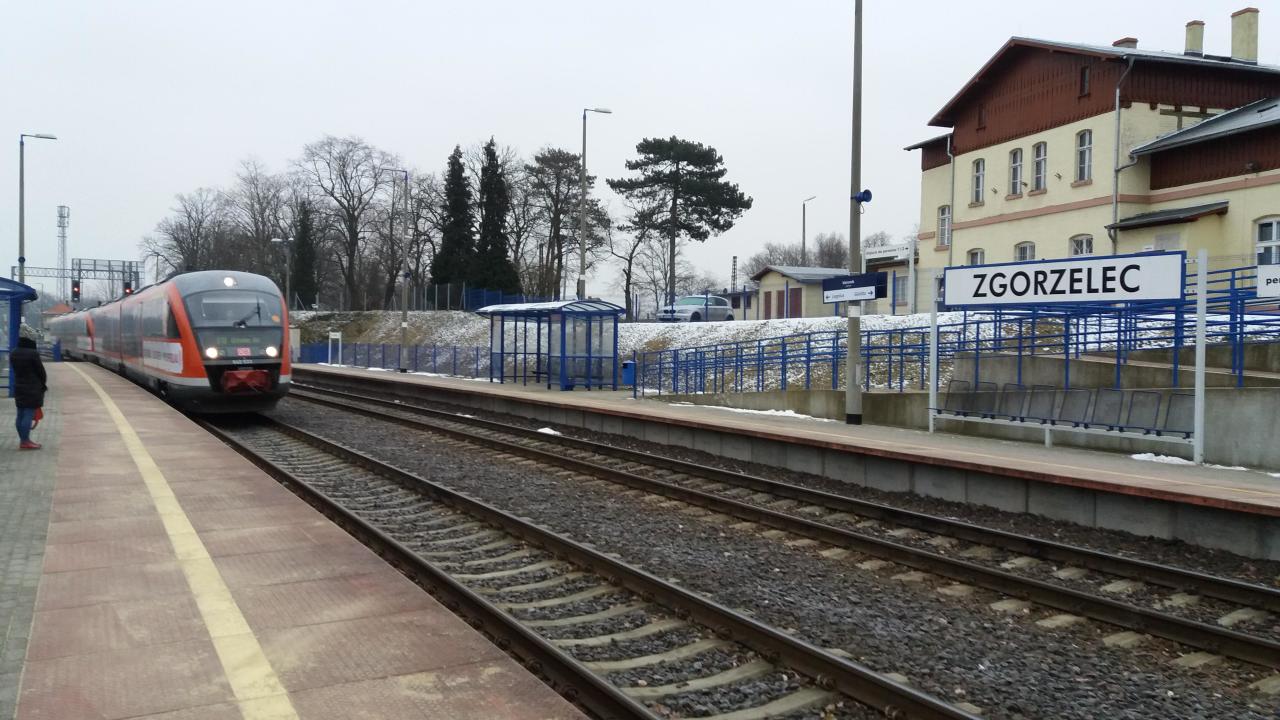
x=1192 y=608
x=616 y=640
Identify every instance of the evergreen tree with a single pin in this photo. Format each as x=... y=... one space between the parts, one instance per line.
x=303 y=263
x=456 y=256
x=493 y=268
x=685 y=178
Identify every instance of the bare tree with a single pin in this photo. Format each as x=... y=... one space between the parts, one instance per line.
x=258 y=209
x=350 y=173
x=187 y=240
x=628 y=245
x=831 y=250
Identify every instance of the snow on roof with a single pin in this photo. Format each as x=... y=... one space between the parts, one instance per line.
x=594 y=307
x=801 y=274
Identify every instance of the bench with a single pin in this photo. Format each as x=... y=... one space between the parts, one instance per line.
x=1105 y=411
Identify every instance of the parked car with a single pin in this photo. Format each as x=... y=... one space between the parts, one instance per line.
x=697 y=308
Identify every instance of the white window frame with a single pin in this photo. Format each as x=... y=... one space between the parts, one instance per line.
x=1039 y=166
x=1085 y=243
x=1024 y=251
x=1270 y=247
x=979 y=180
x=1084 y=155
x=1015 y=171
x=944 y=225
x=976 y=256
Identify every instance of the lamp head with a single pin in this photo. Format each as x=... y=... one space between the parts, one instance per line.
x=811 y=197
x=605 y=111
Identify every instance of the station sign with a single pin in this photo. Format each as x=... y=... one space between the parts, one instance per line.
x=851 y=288
x=1110 y=279
x=1269 y=281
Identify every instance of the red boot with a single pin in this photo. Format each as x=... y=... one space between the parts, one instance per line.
x=28 y=445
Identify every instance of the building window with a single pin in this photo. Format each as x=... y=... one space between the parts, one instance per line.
x=1081 y=245
x=944 y=225
x=899 y=289
x=1084 y=155
x=1084 y=81
x=1024 y=251
x=982 y=116
x=1015 y=171
x=1269 y=241
x=979 y=176
x=977 y=256
x=1039 y=165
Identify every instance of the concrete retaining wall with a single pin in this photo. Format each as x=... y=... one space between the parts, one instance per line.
x=1089 y=372
x=1242 y=533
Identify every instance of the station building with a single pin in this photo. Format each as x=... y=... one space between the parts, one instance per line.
x=1059 y=149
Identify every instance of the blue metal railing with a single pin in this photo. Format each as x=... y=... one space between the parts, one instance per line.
x=898 y=358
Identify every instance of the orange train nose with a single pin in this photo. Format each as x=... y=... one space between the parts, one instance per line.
x=245 y=381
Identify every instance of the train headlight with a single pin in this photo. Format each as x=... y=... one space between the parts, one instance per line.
x=229 y=281
x=272 y=351
x=211 y=353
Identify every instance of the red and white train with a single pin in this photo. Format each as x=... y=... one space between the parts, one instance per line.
x=209 y=341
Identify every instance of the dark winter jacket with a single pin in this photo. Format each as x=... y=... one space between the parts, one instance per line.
x=29 y=380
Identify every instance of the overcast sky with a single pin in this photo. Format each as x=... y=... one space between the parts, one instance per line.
x=149 y=99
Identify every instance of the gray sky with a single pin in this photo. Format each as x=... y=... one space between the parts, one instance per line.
x=154 y=98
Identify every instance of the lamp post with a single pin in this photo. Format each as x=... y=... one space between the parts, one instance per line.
x=582 y=205
x=22 y=199
x=804 y=232
x=853 y=383
x=288 y=270
x=404 y=271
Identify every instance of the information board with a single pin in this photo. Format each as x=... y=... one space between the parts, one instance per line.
x=1109 y=279
x=851 y=288
x=1269 y=281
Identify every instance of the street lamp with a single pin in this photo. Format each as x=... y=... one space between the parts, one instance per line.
x=582 y=205
x=288 y=270
x=22 y=199
x=804 y=233
x=404 y=272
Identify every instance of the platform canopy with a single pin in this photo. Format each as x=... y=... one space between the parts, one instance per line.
x=565 y=342
x=12 y=295
x=545 y=309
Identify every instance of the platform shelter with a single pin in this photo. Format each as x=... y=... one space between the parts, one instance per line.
x=566 y=343
x=12 y=295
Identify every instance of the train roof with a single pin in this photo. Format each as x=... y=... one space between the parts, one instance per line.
x=203 y=280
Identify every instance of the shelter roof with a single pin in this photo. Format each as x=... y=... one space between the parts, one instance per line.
x=1254 y=116
x=543 y=309
x=14 y=290
x=945 y=116
x=1170 y=216
x=801 y=274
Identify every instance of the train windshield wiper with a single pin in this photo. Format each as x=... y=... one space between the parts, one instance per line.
x=244 y=321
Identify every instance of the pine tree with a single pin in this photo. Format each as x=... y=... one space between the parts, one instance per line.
x=302 y=264
x=686 y=178
x=456 y=257
x=493 y=268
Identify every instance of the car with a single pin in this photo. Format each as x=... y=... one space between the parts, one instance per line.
x=697 y=308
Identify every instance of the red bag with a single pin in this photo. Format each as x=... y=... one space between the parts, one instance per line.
x=39 y=417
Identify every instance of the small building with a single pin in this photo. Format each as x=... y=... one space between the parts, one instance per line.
x=564 y=343
x=789 y=291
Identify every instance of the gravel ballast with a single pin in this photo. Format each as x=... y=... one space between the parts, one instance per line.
x=955 y=649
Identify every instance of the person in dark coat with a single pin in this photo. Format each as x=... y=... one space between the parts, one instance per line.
x=29 y=386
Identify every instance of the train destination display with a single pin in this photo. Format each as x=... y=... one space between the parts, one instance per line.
x=1116 y=278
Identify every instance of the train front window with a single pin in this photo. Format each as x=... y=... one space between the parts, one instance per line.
x=234 y=308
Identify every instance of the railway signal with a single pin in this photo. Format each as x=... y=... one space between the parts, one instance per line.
x=75 y=291
x=128 y=287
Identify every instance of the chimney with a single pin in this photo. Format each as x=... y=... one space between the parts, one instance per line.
x=1244 y=35
x=1195 y=38
x=1126 y=42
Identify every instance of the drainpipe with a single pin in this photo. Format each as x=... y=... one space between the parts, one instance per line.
x=1117 y=167
x=951 y=220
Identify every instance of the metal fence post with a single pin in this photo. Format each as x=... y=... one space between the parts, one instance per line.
x=1202 y=291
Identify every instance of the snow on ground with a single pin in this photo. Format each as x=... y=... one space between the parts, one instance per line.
x=549 y=431
x=1171 y=460
x=774 y=413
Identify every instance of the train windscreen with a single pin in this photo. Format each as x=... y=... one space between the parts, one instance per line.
x=236 y=324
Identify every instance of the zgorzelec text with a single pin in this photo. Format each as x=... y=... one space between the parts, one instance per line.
x=1110 y=279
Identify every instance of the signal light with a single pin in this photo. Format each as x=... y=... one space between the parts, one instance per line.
x=75 y=291
x=128 y=287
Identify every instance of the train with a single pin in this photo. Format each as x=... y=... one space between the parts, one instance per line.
x=212 y=341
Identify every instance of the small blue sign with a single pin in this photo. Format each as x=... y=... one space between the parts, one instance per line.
x=851 y=288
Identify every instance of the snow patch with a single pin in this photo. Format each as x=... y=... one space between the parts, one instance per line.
x=775 y=413
x=1165 y=459
x=549 y=431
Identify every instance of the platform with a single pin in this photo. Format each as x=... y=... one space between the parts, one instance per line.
x=1237 y=510
x=176 y=581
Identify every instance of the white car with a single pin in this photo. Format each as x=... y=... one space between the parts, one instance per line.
x=697 y=308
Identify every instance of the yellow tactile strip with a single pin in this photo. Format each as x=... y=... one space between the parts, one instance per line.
x=258 y=690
